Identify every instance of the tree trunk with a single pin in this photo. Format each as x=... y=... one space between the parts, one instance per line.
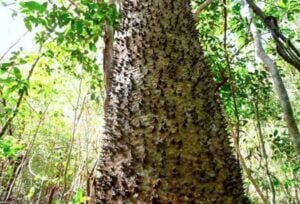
x=279 y=86
x=166 y=138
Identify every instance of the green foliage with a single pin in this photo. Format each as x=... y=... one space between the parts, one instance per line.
x=245 y=83
x=9 y=148
x=60 y=90
x=79 y=197
x=33 y=7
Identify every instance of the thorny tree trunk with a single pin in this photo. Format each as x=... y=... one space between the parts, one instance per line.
x=166 y=139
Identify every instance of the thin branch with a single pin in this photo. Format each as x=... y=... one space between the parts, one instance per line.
x=21 y=96
x=202 y=7
x=264 y=151
x=244 y=164
x=239 y=50
x=284 y=46
x=28 y=150
x=13 y=45
x=250 y=177
x=231 y=80
x=76 y=120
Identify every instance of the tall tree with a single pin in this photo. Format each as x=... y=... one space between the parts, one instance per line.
x=166 y=138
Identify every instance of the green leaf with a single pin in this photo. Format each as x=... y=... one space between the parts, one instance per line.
x=8 y=148
x=7 y=80
x=28 y=24
x=11 y=90
x=93 y=47
x=5 y=66
x=31 y=192
x=236 y=8
x=33 y=6
x=281 y=4
x=275 y=133
x=17 y=73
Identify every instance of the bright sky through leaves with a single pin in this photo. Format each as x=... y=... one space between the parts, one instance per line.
x=12 y=28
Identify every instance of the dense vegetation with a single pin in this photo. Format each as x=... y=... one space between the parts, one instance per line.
x=51 y=99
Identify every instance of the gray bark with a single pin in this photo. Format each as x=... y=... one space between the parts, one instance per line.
x=166 y=138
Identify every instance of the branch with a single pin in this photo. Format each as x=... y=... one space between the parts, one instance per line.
x=239 y=50
x=230 y=75
x=202 y=7
x=21 y=96
x=13 y=45
x=252 y=180
x=27 y=152
x=284 y=46
x=244 y=165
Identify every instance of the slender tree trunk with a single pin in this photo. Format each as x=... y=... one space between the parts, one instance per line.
x=244 y=165
x=108 y=52
x=279 y=87
x=264 y=152
x=166 y=138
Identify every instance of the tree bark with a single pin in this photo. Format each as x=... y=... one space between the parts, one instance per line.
x=166 y=138
x=108 y=52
